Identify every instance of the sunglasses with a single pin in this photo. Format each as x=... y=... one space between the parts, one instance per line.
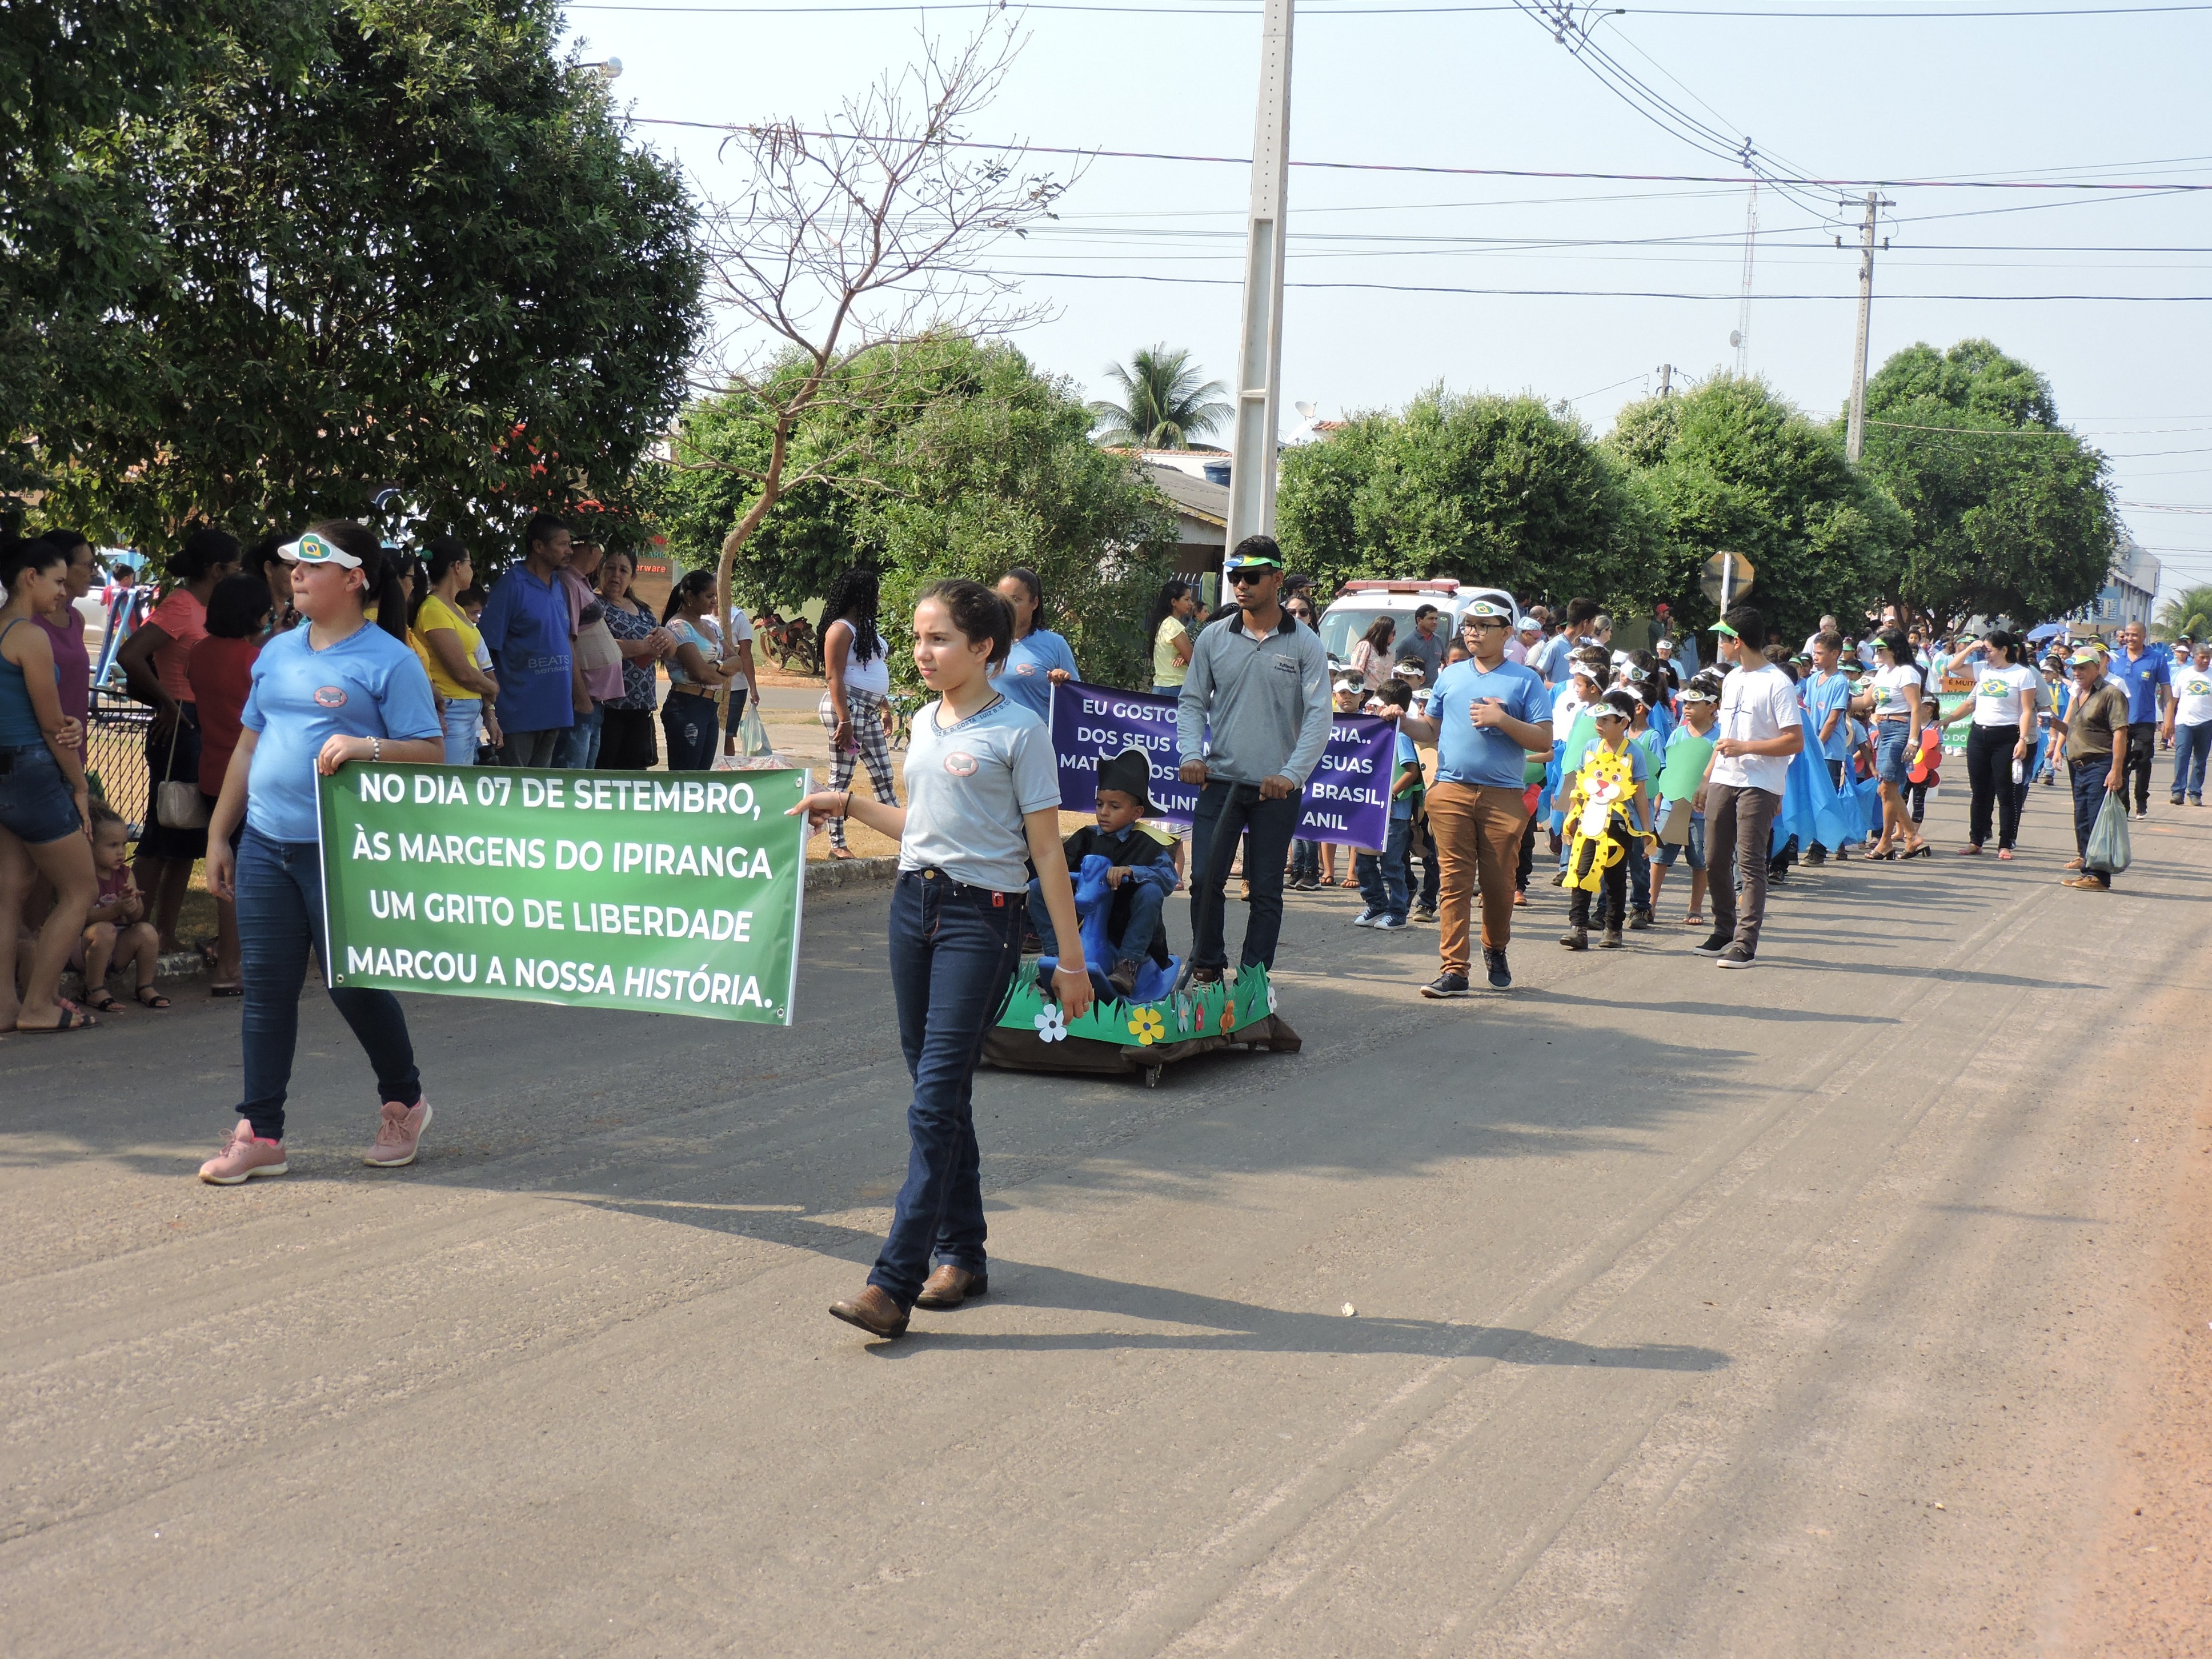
x=1242 y=577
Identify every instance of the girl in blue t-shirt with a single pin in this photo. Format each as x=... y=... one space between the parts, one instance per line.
x=341 y=689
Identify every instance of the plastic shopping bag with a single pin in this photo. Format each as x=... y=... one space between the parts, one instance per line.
x=2107 y=854
x=752 y=734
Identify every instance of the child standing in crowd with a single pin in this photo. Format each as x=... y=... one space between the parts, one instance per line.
x=1691 y=742
x=983 y=798
x=341 y=689
x=116 y=926
x=1626 y=818
x=1927 y=760
x=1649 y=740
x=1385 y=877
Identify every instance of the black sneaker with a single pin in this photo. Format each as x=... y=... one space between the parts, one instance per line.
x=1576 y=939
x=1205 y=976
x=1815 y=857
x=1446 y=985
x=1501 y=976
x=1714 y=945
x=1736 y=956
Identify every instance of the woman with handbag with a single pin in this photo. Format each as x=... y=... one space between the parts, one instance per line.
x=626 y=739
x=156 y=664
x=44 y=809
x=341 y=689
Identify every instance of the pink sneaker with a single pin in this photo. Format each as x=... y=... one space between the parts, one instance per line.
x=398 y=1132
x=243 y=1157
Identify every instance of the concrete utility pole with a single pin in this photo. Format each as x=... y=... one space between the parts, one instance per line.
x=1855 y=428
x=1666 y=379
x=1260 y=343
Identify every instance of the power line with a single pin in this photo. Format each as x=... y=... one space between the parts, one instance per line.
x=1738 y=181
x=1377 y=11
x=1598 y=293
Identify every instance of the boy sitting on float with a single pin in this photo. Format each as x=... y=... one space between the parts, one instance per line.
x=1139 y=868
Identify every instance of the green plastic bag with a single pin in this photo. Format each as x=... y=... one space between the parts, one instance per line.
x=2107 y=854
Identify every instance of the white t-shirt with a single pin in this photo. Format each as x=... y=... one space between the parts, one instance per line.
x=873 y=675
x=741 y=627
x=1896 y=690
x=1997 y=692
x=1756 y=704
x=2192 y=696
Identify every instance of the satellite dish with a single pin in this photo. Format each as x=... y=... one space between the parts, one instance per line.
x=1307 y=410
x=1735 y=339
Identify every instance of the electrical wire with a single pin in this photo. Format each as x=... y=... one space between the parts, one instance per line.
x=1374 y=11
x=1601 y=293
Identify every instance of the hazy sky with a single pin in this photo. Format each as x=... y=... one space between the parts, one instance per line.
x=1831 y=91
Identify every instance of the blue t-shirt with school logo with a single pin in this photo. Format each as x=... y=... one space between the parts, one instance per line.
x=365 y=685
x=1483 y=755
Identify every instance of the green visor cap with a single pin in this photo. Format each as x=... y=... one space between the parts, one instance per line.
x=1486 y=608
x=1722 y=628
x=1252 y=561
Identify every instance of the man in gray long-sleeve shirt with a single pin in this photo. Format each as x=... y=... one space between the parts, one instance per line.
x=1262 y=680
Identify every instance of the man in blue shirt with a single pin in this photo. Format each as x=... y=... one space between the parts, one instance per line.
x=1825 y=698
x=1484 y=717
x=526 y=626
x=2146 y=677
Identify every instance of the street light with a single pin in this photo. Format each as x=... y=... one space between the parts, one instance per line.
x=610 y=70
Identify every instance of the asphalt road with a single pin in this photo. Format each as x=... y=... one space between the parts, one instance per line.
x=1696 y=1313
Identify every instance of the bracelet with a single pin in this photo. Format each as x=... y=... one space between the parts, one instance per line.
x=376 y=748
x=846 y=811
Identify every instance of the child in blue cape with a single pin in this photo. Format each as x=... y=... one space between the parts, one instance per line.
x=1141 y=867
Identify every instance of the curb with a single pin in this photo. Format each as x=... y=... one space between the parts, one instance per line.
x=827 y=875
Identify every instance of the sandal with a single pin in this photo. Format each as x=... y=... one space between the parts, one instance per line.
x=102 y=1001
x=73 y=1018
x=1693 y=920
x=1922 y=851
x=2005 y=853
x=1974 y=852
x=149 y=998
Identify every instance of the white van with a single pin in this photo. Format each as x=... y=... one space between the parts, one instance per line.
x=1357 y=604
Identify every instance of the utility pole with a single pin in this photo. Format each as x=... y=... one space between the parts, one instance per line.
x=1855 y=428
x=1259 y=341
x=1666 y=379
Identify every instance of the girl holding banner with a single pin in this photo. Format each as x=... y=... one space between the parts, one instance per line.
x=339 y=690
x=982 y=802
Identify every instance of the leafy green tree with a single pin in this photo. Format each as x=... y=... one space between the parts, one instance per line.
x=1164 y=403
x=1732 y=467
x=1499 y=490
x=2009 y=513
x=75 y=228
x=2188 y=613
x=959 y=459
x=423 y=259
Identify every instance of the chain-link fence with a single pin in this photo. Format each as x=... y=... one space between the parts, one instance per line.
x=115 y=736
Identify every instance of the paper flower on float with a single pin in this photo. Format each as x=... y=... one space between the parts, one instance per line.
x=1051 y=1023
x=1147 y=1027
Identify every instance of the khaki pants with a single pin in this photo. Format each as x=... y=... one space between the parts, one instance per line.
x=1475 y=825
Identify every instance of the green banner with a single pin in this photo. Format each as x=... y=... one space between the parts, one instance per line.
x=675 y=894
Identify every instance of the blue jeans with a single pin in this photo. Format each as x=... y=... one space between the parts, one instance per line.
x=2192 y=748
x=463 y=716
x=694 y=736
x=2089 y=777
x=953 y=952
x=1385 y=880
x=280 y=914
x=1693 y=849
x=579 y=748
x=1305 y=860
x=1225 y=811
x=1146 y=900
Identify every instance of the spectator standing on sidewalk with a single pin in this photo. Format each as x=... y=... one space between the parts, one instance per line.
x=222 y=677
x=2189 y=723
x=1485 y=716
x=156 y=664
x=1758 y=730
x=858 y=672
x=2097 y=730
x=1260 y=677
x=1170 y=629
x=64 y=628
x=449 y=641
x=2145 y=674
x=626 y=739
x=338 y=689
x=598 y=668
x=1039 y=658
x=526 y=626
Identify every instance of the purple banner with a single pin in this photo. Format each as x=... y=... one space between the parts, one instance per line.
x=1347 y=798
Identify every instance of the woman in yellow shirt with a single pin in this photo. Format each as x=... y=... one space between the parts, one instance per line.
x=1171 y=647
x=448 y=644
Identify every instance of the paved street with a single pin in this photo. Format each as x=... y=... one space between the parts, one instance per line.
x=1696 y=1313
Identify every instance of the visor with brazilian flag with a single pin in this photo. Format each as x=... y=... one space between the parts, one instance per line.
x=1722 y=628
x=311 y=549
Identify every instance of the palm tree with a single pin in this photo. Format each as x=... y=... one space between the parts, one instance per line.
x=2189 y=611
x=1165 y=403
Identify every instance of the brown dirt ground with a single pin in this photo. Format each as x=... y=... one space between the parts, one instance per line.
x=2148 y=1590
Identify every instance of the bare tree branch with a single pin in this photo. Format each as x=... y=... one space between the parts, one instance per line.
x=874 y=235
